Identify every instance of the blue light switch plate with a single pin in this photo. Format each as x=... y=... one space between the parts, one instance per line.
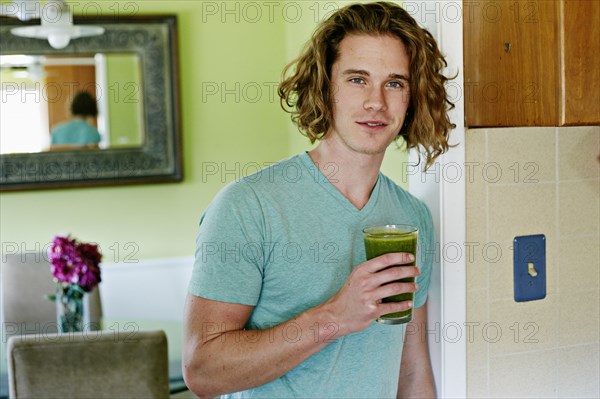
x=530 y=267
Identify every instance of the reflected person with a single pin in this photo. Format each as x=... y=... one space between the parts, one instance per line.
x=79 y=132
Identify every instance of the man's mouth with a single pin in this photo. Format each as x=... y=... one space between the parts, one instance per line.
x=372 y=123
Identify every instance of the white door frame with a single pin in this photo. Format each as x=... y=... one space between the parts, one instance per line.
x=442 y=188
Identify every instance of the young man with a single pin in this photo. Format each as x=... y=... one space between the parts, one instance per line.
x=78 y=132
x=282 y=302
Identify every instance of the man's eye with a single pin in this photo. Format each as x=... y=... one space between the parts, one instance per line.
x=398 y=85
x=357 y=80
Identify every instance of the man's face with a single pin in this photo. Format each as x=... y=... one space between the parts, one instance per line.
x=370 y=92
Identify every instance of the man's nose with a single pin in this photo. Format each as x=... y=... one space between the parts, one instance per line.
x=375 y=99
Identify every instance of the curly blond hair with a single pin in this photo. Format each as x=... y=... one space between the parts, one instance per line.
x=305 y=88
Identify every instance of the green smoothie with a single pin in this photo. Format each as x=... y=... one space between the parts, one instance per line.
x=381 y=240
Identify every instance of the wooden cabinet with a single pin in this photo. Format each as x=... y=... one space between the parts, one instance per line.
x=581 y=55
x=531 y=62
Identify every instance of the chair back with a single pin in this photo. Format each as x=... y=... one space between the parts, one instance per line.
x=26 y=280
x=101 y=364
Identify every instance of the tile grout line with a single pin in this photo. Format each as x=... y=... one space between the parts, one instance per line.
x=580 y=345
x=487 y=239
x=523 y=184
x=525 y=353
x=592 y=234
x=556 y=248
x=570 y=346
x=579 y=180
x=507 y=298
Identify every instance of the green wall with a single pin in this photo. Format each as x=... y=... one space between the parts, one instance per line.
x=230 y=61
x=125 y=108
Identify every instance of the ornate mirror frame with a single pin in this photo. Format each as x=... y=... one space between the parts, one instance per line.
x=154 y=39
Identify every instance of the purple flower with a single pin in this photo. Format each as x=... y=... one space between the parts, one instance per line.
x=75 y=263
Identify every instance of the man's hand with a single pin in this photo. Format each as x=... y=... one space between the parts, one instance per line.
x=359 y=302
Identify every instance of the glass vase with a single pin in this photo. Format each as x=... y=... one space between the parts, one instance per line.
x=69 y=308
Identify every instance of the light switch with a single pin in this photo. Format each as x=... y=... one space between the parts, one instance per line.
x=530 y=267
x=531 y=270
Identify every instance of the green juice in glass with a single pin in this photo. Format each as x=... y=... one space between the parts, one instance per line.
x=380 y=240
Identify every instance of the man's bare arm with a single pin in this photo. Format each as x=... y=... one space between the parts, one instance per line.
x=416 y=376
x=221 y=357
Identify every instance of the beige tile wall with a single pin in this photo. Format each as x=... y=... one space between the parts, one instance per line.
x=525 y=181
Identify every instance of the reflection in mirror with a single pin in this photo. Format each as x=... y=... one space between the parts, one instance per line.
x=131 y=70
x=37 y=91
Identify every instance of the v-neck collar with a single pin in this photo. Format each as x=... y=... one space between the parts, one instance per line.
x=324 y=182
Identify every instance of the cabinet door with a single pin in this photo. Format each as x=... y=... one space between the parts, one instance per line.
x=581 y=62
x=511 y=62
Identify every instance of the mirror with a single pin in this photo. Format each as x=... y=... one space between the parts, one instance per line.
x=38 y=90
x=132 y=73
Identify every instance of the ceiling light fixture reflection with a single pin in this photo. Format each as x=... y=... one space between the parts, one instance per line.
x=57 y=26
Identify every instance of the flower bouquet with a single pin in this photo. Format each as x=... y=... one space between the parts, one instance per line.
x=75 y=267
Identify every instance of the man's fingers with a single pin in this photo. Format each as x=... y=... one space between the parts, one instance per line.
x=392 y=274
x=396 y=289
x=381 y=262
x=393 y=307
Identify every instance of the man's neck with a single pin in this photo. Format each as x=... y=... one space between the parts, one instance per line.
x=353 y=174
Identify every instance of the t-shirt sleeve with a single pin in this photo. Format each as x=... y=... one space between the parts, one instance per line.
x=425 y=251
x=226 y=266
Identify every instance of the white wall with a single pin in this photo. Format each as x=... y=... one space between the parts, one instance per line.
x=445 y=197
x=147 y=290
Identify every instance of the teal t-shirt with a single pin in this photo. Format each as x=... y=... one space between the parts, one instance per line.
x=75 y=132
x=285 y=240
